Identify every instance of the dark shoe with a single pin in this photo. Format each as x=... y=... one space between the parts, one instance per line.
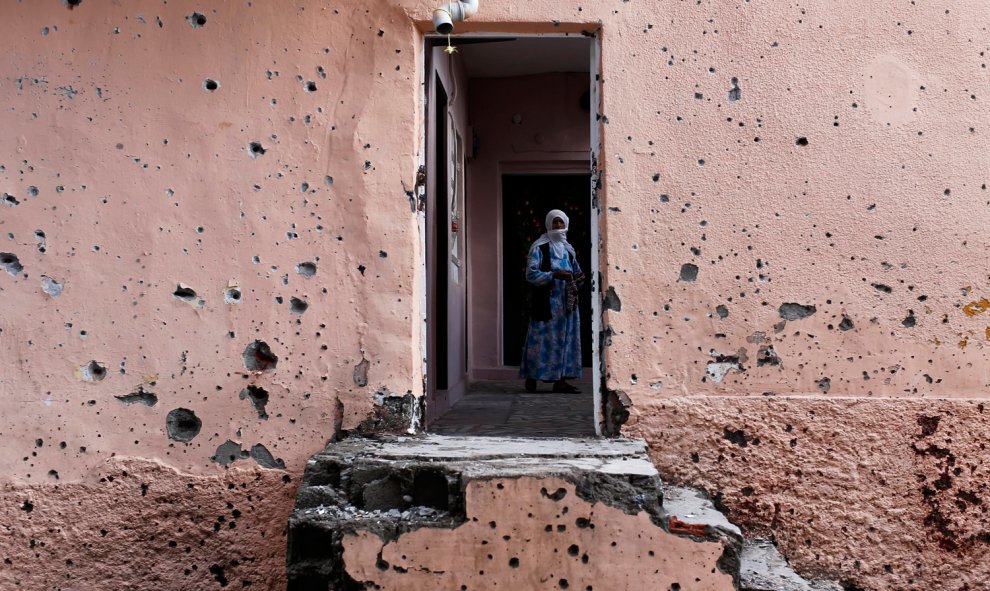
x=563 y=387
x=530 y=385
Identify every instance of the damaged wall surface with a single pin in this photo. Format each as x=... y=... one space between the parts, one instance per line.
x=210 y=264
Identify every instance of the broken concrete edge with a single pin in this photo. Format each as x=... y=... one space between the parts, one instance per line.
x=615 y=411
x=392 y=414
x=763 y=568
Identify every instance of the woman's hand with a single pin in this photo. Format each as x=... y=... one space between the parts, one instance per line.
x=565 y=275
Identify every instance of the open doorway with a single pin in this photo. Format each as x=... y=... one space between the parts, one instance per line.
x=510 y=134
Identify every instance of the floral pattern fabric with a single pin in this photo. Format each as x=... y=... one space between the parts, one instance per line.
x=553 y=347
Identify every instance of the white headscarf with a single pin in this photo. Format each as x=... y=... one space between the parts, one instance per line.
x=557 y=239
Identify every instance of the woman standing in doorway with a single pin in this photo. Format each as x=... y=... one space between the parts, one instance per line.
x=553 y=341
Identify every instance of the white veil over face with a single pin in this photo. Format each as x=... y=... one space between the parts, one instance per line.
x=557 y=239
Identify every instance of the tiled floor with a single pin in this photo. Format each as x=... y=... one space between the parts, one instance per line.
x=506 y=409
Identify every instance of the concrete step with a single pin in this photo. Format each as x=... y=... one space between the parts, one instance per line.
x=461 y=512
x=494 y=512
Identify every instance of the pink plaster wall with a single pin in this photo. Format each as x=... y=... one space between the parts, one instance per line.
x=518 y=536
x=553 y=133
x=889 y=190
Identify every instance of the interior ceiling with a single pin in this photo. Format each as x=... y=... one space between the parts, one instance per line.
x=523 y=56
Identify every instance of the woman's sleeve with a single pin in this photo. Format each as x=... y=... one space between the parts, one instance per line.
x=533 y=273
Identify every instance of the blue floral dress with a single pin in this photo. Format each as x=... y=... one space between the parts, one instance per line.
x=553 y=347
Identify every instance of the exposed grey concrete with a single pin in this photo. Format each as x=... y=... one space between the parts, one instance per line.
x=692 y=506
x=763 y=568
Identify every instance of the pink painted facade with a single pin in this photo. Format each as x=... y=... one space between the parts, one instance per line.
x=822 y=163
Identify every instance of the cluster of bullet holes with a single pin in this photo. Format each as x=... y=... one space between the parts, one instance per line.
x=39 y=237
x=258 y=356
x=259 y=399
x=230 y=451
x=306 y=269
x=256 y=149
x=10 y=263
x=182 y=424
x=196 y=20
x=211 y=84
x=231 y=295
x=94 y=371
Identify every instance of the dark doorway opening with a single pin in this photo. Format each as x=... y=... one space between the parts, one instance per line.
x=441 y=249
x=526 y=198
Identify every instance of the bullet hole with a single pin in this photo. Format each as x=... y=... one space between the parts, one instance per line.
x=184 y=293
x=382 y=254
x=656 y=177
x=328 y=180
x=881 y=287
x=689 y=272
x=258 y=397
x=53 y=474
x=258 y=356
x=10 y=201
x=39 y=237
x=196 y=20
x=139 y=396
x=362 y=269
x=735 y=93
x=210 y=84
x=72 y=3
x=737 y=437
x=306 y=269
x=229 y=452
x=361 y=373
x=50 y=286
x=513 y=562
x=802 y=141
x=573 y=550
x=846 y=324
x=231 y=295
x=297 y=306
x=747 y=491
x=264 y=458
x=256 y=149
x=767 y=356
x=947 y=192
x=722 y=311
x=218 y=574
x=27 y=506
x=94 y=371
x=304 y=187
x=182 y=424
x=910 y=321
x=39 y=442
x=824 y=384
x=556 y=495
x=10 y=263
x=701 y=162
x=611 y=300
x=33 y=191
x=563 y=584
x=310 y=86
x=44 y=31
x=792 y=311
x=321 y=71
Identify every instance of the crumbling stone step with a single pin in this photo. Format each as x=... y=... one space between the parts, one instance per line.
x=436 y=512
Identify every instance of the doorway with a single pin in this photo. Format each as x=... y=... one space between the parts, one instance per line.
x=510 y=134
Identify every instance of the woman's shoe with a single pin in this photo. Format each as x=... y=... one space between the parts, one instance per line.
x=530 y=385
x=562 y=387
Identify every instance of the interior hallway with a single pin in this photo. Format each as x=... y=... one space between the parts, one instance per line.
x=504 y=408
